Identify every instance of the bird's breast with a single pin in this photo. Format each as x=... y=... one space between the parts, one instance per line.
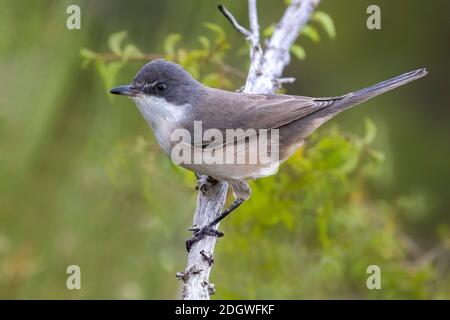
x=162 y=116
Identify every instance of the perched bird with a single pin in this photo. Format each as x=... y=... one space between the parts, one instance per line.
x=170 y=99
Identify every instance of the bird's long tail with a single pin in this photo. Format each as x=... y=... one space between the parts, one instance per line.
x=303 y=127
x=351 y=99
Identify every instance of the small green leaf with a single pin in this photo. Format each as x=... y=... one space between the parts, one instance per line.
x=370 y=131
x=326 y=22
x=85 y=63
x=218 y=30
x=115 y=42
x=170 y=42
x=88 y=54
x=204 y=41
x=377 y=155
x=109 y=71
x=311 y=33
x=298 y=52
x=269 y=30
x=131 y=51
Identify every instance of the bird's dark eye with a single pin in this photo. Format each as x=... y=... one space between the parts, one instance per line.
x=161 y=86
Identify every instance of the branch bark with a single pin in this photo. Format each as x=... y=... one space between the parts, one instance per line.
x=264 y=76
x=269 y=67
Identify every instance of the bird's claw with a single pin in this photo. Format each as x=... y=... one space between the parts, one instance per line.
x=200 y=233
x=202 y=187
x=204 y=183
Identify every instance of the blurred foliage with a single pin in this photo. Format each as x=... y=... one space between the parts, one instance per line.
x=312 y=230
x=198 y=62
x=82 y=180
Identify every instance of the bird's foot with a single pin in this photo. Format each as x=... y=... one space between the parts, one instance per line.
x=200 y=233
x=204 y=183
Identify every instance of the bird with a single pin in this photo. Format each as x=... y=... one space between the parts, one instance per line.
x=171 y=101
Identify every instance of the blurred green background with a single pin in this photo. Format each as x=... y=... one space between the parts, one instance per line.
x=82 y=180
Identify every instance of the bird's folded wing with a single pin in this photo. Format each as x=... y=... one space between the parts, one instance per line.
x=274 y=111
x=261 y=111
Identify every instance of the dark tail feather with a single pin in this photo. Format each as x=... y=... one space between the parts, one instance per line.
x=357 y=97
x=303 y=127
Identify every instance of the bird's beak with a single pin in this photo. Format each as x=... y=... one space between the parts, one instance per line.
x=124 y=91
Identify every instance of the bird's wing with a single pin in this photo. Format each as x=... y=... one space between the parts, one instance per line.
x=261 y=111
x=273 y=111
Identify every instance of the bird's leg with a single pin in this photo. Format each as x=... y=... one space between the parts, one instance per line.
x=242 y=192
x=208 y=230
x=203 y=183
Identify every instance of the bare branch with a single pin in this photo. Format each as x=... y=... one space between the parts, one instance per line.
x=276 y=56
x=252 y=36
x=278 y=82
x=253 y=17
x=285 y=80
x=294 y=19
x=196 y=275
x=246 y=33
x=255 y=48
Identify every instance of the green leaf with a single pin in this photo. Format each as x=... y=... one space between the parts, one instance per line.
x=88 y=54
x=115 y=42
x=298 y=51
x=204 y=41
x=131 y=51
x=325 y=20
x=87 y=57
x=370 y=131
x=85 y=63
x=218 y=30
x=109 y=71
x=269 y=30
x=170 y=42
x=311 y=33
x=377 y=155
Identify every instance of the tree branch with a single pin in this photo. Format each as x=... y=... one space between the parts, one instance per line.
x=200 y=259
x=276 y=56
x=246 y=33
x=264 y=76
x=253 y=17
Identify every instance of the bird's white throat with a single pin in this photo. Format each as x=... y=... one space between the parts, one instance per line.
x=163 y=117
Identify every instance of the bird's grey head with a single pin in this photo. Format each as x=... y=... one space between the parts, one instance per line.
x=162 y=79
